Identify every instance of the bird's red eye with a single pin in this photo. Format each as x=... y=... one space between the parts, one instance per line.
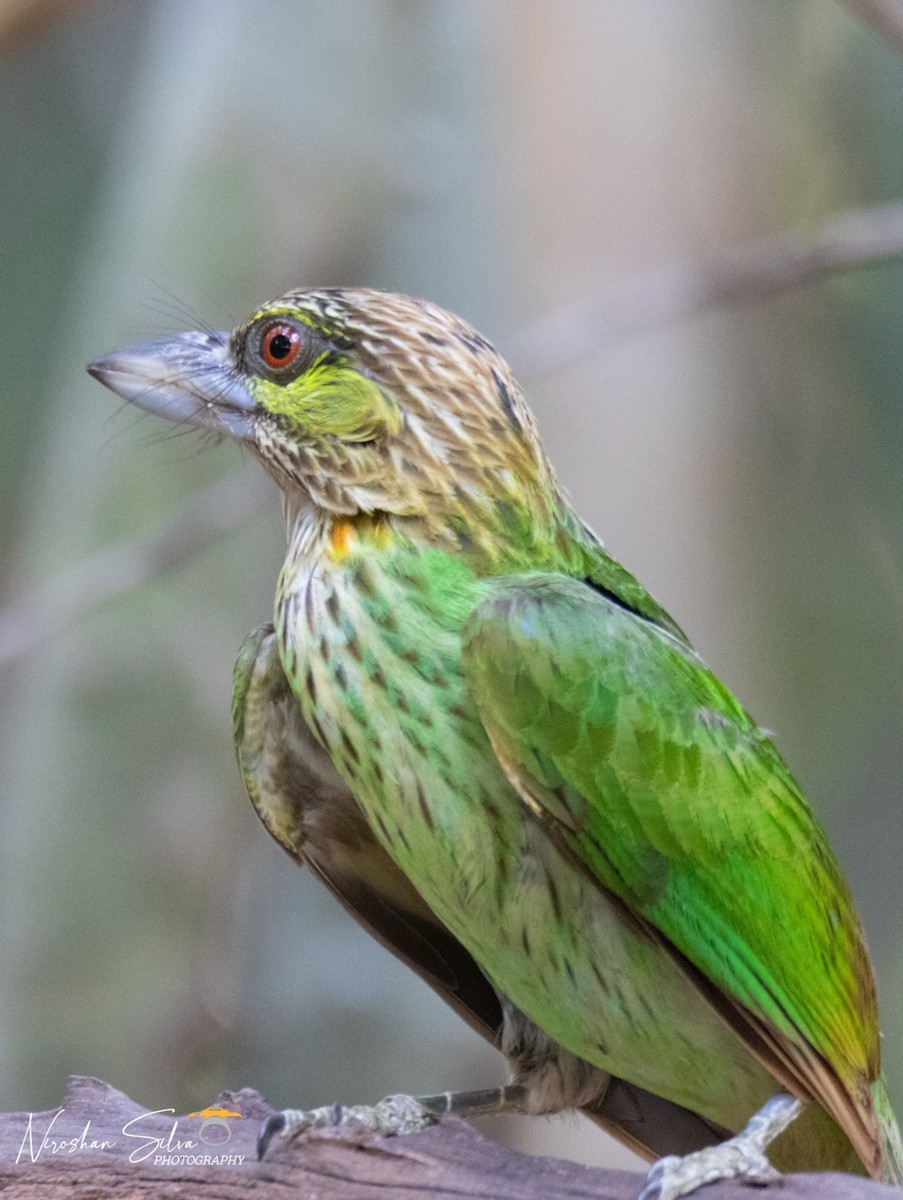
x=280 y=345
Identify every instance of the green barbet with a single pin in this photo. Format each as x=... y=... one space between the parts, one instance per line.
x=507 y=761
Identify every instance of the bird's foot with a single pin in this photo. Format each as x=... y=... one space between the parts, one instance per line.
x=395 y=1115
x=392 y=1117
x=740 y=1157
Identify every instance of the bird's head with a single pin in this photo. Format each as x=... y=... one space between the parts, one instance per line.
x=362 y=401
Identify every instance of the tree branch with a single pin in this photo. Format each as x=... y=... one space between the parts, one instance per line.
x=863 y=237
x=58 y=601
x=105 y=1145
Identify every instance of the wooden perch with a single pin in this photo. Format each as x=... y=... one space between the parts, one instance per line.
x=100 y=1144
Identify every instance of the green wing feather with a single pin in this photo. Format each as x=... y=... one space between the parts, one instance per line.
x=617 y=736
x=313 y=816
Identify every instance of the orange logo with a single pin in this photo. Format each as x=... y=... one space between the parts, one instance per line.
x=216 y=1111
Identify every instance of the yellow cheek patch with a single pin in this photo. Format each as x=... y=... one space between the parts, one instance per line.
x=331 y=399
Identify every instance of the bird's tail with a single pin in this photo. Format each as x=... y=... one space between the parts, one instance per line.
x=889 y=1133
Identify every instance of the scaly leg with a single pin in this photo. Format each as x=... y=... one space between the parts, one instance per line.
x=396 y=1115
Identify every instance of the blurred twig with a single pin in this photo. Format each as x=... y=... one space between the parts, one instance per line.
x=859 y=238
x=56 y=602
x=886 y=16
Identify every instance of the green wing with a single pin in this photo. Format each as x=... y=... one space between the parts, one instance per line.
x=310 y=812
x=634 y=755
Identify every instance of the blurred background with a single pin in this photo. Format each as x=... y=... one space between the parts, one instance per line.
x=600 y=186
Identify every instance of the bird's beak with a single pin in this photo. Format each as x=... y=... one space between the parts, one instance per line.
x=190 y=379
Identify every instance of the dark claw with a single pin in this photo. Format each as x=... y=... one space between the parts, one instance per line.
x=273 y=1125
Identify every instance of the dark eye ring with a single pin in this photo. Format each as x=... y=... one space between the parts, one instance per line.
x=281 y=346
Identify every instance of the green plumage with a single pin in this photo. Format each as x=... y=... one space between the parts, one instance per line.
x=652 y=774
x=504 y=757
